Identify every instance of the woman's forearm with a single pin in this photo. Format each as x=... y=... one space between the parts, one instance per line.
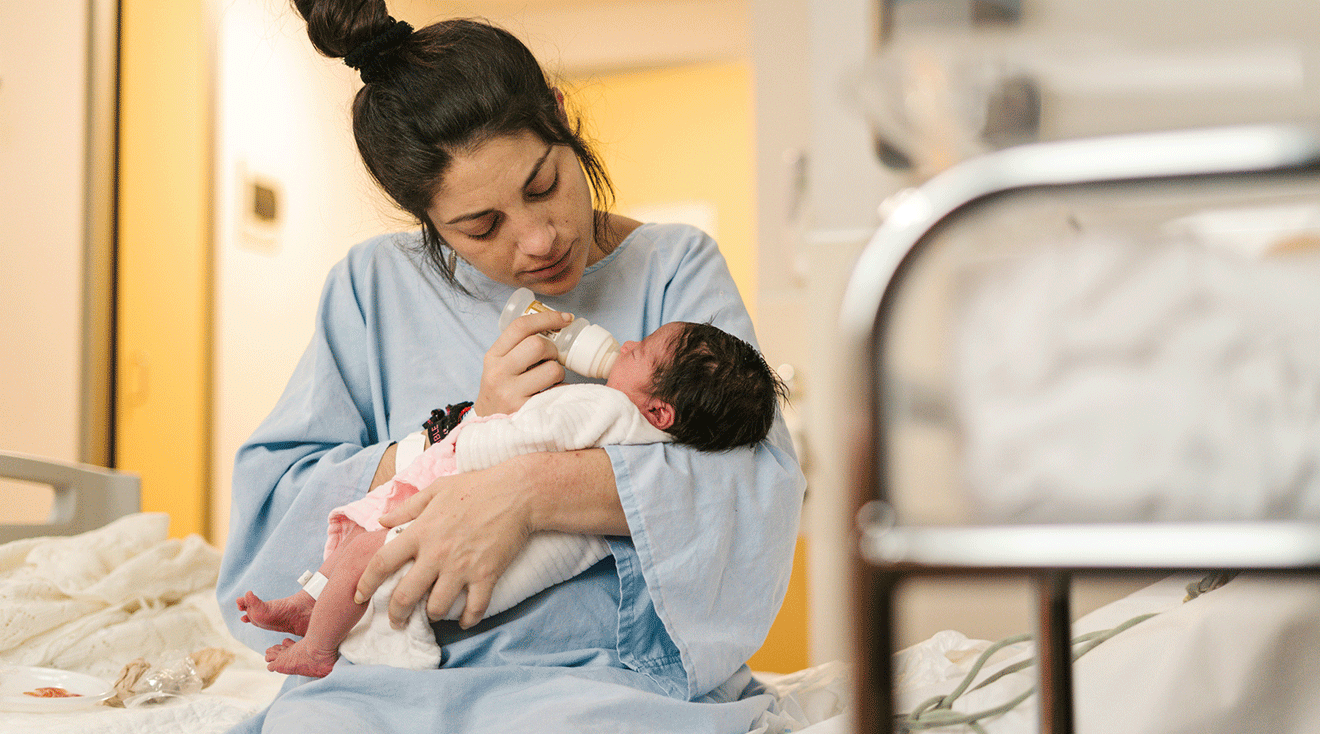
x=572 y=492
x=385 y=470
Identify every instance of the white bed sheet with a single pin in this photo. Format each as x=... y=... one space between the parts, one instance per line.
x=813 y=701
x=1244 y=657
x=91 y=603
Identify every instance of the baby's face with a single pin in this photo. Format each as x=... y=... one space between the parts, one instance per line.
x=633 y=372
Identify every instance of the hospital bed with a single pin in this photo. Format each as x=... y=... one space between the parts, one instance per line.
x=84 y=496
x=1113 y=342
x=912 y=284
x=98 y=585
x=101 y=584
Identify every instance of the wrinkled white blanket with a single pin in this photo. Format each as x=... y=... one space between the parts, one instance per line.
x=93 y=602
x=1112 y=379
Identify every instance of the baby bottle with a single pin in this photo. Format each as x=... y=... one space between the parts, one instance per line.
x=584 y=347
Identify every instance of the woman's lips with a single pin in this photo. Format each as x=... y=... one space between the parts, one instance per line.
x=552 y=270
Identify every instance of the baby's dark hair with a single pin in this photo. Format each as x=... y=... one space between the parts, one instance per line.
x=723 y=393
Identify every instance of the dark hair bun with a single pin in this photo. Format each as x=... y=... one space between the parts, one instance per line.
x=337 y=28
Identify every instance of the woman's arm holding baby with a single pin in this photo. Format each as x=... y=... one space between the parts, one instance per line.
x=468 y=528
x=386 y=469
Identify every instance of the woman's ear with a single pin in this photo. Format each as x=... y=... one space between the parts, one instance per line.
x=659 y=413
x=559 y=102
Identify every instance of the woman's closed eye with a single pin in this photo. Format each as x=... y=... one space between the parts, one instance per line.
x=487 y=231
x=540 y=191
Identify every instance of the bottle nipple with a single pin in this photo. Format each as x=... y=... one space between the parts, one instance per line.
x=593 y=352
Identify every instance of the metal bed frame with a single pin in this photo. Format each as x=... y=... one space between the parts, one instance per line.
x=886 y=551
x=86 y=497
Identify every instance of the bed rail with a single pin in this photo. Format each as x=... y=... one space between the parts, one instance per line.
x=86 y=497
x=886 y=550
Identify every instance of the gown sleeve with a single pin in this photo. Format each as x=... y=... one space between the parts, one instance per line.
x=713 y=533
x=324 y=432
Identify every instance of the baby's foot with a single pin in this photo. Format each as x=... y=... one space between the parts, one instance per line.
x=289 y=615
x=299 y=658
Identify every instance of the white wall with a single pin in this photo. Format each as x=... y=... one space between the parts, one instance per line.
x=581 y=37
x=819 y=188
x=43 y=129
x=282 y=119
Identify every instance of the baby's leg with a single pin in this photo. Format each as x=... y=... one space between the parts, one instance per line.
x=292 y=613
x=332 y=617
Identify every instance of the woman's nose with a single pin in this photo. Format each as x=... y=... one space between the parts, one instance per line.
x=537 y=238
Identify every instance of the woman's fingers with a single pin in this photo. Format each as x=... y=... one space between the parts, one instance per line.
x=383 y=564
x=414 y=585
x=478 y=600
x=524 y=326
x=464 y=537
x=535 y=379
x=522 y=345
x=446 y=582
x=447 y=589
x=514 y=366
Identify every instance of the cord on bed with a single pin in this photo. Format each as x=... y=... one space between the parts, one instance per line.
x=937 y=711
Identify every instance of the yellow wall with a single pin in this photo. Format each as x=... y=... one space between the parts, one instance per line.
x=787 y=647
x=680 y=134
x=687 y=133
x=163 y=353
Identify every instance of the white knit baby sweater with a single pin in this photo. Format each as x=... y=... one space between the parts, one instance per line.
x=564 y=418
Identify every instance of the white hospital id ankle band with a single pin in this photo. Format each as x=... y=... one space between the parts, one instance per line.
x=313 y=582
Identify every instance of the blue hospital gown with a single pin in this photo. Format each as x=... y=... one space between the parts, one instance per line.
x=652 y=639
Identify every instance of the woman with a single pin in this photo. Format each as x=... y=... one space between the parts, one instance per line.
x=458 y=125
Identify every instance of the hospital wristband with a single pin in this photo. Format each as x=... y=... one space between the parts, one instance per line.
x=443 y=421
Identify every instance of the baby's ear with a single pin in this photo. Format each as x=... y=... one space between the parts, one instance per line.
x=659 y=413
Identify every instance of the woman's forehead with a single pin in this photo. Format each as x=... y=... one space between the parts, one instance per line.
x=493 y=164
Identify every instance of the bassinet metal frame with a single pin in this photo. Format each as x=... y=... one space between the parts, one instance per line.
x=885 y=552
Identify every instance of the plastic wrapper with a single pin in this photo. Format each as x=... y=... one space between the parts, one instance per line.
x=142 y=684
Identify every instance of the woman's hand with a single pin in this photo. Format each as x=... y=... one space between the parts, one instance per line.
x=466 y=530
x=520 y=363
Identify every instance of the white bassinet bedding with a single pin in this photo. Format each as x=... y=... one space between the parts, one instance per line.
x=92 y=603
x=1243 y=657
x=1114 y=379
x=811 y=701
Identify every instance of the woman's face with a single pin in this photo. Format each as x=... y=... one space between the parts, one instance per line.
x=519 y=210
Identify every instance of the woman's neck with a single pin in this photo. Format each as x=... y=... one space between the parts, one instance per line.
x=617 y=228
